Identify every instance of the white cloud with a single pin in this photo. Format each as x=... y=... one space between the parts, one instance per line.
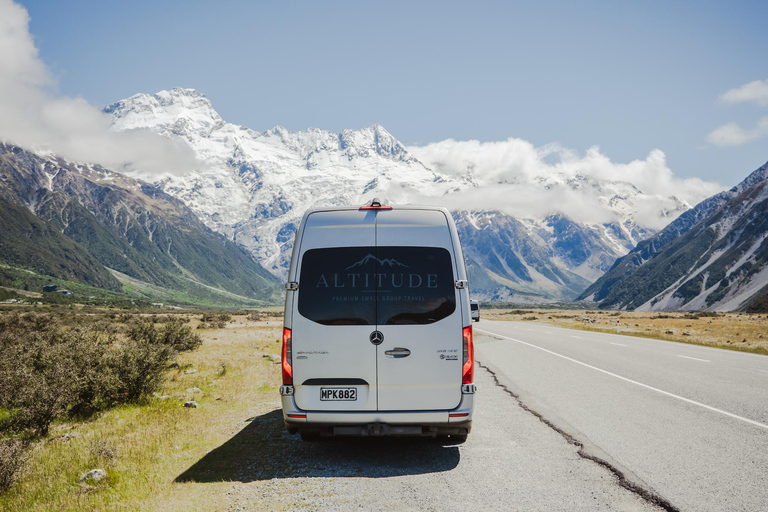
x=756 y=91
x=520 y=179
x=732 y=134
x=32 y=117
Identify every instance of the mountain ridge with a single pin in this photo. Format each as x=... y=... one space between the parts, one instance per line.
x=255 y=186
x=713 y=257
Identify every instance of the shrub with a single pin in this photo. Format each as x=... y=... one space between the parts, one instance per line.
x=139 y=368
x=50 y=373
x=255 y=316
x=174 y=334
x=216 y=320
x=39 y=378
x=12 y=458
x=180 y=336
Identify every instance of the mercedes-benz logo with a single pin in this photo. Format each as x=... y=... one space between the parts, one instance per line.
x=376 y=337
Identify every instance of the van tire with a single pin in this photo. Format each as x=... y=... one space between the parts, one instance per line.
x=311 y=436
x=459 y=438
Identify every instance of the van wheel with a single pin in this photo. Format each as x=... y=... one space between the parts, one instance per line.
x=310 y=436
x=459 y=438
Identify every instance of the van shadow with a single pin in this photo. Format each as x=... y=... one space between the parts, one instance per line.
x=263 y=450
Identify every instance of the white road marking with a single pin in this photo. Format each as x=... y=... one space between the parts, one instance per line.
x=762 y=371
x=625 y=379
x=696 y=359
x=619 y=344
x=547 y=332
x=572 y=336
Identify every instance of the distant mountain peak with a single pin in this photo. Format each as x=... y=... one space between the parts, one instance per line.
x=179 y=112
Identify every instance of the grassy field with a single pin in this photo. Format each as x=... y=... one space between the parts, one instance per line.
x=144 y=448
x=734 y=331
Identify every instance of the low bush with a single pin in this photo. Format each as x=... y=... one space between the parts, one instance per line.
x=12 y=459
x=173 y=334
x=48 y=371
x=39 y=377
x=215 y=320
x=139 y=369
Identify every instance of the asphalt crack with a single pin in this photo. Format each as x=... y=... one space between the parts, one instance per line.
x=645 y=494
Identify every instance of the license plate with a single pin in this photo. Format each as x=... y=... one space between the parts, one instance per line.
x=338 y=393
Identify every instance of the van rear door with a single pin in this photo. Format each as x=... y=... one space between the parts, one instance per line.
x=334 y=363
x=418 y=312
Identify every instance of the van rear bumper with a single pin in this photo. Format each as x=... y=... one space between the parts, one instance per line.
x=425 y=423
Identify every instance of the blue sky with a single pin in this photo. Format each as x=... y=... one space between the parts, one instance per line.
x=626 y=76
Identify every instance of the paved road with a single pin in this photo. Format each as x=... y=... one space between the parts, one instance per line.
x=511 y=461
x=688 y=423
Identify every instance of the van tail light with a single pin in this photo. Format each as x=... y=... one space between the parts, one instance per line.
x=287 y=358
x=468 y=370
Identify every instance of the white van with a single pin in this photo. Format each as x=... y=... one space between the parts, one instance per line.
x=378 y=336
x=474 y=310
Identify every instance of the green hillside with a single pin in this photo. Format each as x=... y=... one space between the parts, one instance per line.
x=30 y=242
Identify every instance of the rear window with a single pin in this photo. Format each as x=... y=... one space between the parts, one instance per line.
x=376 y=285
x=474 y=307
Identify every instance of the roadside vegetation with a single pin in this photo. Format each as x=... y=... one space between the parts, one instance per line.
x=747 y=332
x=105 y=409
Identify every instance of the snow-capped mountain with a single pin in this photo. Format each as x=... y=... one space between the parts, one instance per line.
x=713 y=257
x=255 y=186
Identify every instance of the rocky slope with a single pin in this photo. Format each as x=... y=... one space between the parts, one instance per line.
x=125 y=225
x=713 y=257
x=255 y=186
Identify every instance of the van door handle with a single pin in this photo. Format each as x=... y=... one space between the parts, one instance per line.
x=398 y=352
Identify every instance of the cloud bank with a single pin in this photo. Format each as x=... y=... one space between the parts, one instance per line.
x=732 y=134
x=756 y=92
x=520 y=179
x=34 y=118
